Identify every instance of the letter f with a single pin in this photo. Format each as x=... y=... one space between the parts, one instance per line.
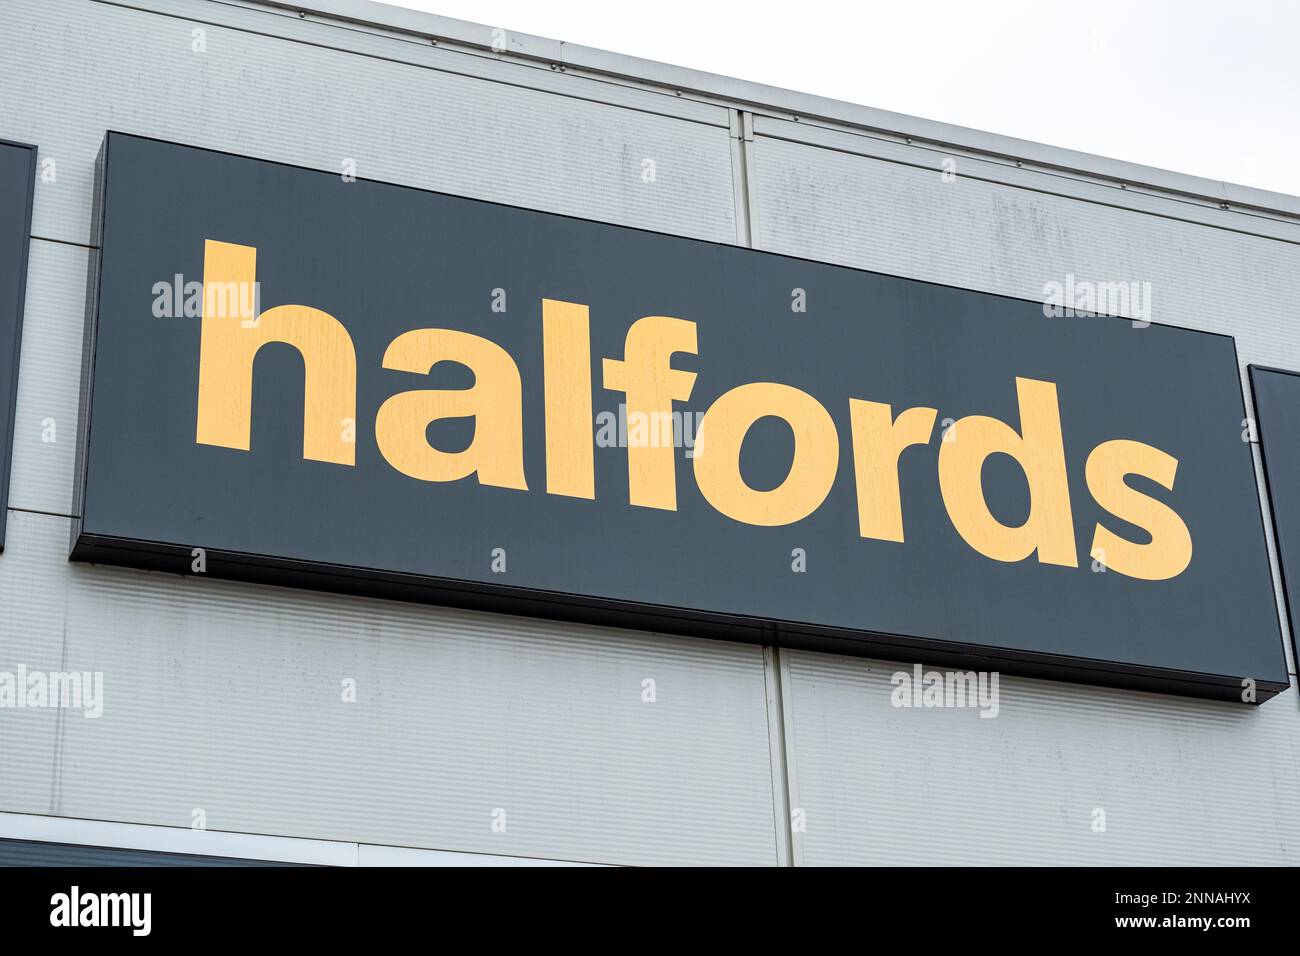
x=651 y=384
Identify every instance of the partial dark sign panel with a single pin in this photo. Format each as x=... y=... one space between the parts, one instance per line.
x=359 y=386
x=1277 y=415
x=17 y=181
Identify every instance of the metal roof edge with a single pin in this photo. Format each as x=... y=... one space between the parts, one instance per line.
x=804 y=105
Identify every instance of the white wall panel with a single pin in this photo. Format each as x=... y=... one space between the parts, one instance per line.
x=1213 y=207
x=1181 y=781
x=226 y=697
x=488 y=52
x=47 y=413
x=70 y=69
x=33 y=618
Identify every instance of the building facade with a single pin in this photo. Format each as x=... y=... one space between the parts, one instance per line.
x=227 y=729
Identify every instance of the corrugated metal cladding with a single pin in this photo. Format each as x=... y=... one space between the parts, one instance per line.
x=225 y=698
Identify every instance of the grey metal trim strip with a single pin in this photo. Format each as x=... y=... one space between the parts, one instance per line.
x=253 y=847
x=1130 y=198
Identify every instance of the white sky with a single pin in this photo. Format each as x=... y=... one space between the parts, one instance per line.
x=1209 y=87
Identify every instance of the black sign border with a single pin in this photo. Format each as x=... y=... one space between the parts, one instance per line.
x=585 y=609
x=1270 y=488
x=11 y=341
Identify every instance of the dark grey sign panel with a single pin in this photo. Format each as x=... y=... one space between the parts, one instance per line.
x=1277 y=415
x=358 y=386
x=17 y=181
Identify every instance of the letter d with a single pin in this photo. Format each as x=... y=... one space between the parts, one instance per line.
x=1040 y=452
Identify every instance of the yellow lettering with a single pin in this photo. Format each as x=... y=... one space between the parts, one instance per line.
x=722 y=433
x=495 y=403
x=231 y=338
x=566 y=347
x=1040 y=451
x=652 y=385
x=1169 y=552
x=878 y=441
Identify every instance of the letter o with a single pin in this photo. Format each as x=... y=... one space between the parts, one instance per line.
x=717 y=457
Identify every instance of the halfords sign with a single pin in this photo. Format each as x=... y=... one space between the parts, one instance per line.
x=356 y=386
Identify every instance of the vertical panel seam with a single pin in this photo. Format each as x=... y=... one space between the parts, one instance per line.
x=740 y=143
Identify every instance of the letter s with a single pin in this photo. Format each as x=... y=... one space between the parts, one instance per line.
x=1169 y=552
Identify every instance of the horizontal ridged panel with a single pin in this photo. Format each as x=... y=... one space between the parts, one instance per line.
x=508 y=66
x=32 y=635
x=47 y=412
x=227 y=698
x=102 y=67
x=1098 y=187
x=1182 y=782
